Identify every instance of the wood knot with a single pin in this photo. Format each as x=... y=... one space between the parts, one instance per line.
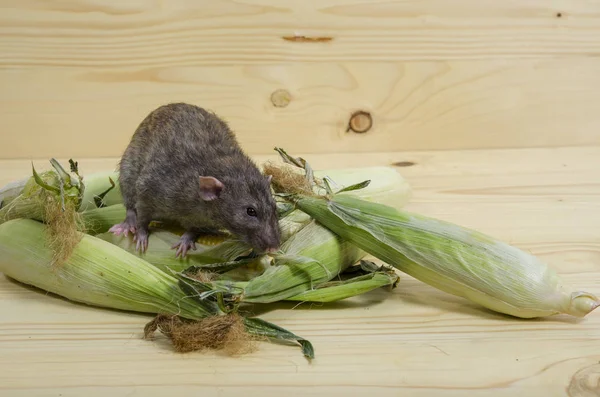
x=404 y=163
x=281 y=98
x=360 y=122
x=585 y=382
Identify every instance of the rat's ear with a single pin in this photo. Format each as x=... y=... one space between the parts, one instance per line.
x=210 y=188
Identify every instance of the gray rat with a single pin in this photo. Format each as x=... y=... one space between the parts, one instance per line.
x=185 y=165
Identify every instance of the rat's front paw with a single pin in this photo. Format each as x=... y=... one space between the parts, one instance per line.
x=141 y=239
x=184 y=244
x=122 y=228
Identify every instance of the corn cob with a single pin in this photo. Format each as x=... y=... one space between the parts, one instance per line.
x=97 y=273
x=100 y=274
x=99 y=220
x=42 y=190
x=451 y=258
x=161 y=254
x=210 y=249
x=454 y=259
x=306 y=261
x=309 y=258
x=101 y=190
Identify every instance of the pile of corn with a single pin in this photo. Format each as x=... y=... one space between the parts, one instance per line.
x=331 y=220
x=220 y=278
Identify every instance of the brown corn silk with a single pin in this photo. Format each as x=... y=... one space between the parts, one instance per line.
x=226 y=333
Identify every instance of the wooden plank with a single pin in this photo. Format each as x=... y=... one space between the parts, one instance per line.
x=413 y=341
x=146 y=33
x=414 y=105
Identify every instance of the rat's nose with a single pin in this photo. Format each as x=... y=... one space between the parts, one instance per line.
x=271 y=250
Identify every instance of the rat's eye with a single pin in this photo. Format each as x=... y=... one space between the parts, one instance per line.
x=251 y=211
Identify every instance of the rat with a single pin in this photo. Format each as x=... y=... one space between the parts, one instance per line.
x=184 y=165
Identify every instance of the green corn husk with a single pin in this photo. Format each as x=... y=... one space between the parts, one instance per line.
x=332 y=291
x=323 y=266
x=41 y=189
x=102 y=189
x=100 y=220
x=306 y=260
x=97 y=273
x=291 y=223
x=387 y=186
x=100 y=274
x=336 y=291
x=293 y=272
x=267 y=274
x=303 y=270
x=161 y=254
x=160 y=241
x=454 y=259
x=265 y=279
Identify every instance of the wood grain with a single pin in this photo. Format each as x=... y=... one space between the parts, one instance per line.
x=434 y=74
x=83 y=112
x=413 y=341
x=150 y=33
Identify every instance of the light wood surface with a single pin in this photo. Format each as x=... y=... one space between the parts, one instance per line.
x=418 y=105
x=151 y=33
x=414 y=341
x=434 y=74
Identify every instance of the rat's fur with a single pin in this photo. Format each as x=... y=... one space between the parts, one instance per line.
x=160 y=179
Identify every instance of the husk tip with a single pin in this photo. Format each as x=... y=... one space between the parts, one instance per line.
x=583 y=303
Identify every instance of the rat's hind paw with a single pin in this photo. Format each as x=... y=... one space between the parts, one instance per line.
x=141 y=239
x=122 y=228
x=186 y=243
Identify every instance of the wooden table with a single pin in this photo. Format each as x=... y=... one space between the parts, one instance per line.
x=413 y=341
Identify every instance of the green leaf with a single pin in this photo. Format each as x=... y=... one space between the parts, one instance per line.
x=99 y=198
x=62 y=174
x=357 y=186
x=298 y=162
x=222 y=267
x=328 y=186
x=338 y=290
x=41 y=183
x=259 y=327
x=284 y=208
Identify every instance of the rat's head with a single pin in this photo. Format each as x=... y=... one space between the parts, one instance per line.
x=244 y=205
